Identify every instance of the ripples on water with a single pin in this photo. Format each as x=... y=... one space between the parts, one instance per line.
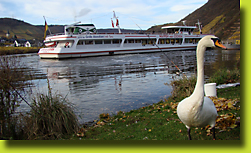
x=107 y=84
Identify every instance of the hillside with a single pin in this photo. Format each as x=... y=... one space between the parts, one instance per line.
x=27 y=31
x=221 y=18
x=19 y=28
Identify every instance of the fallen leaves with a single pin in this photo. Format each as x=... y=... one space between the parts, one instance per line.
x=104 y=116
x=81 y=132
x=225 y=104
x=225 y=121
x=229 y=120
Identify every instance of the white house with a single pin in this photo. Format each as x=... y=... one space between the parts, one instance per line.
x=27 y=44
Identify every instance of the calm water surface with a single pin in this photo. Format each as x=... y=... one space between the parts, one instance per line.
x=108 y=84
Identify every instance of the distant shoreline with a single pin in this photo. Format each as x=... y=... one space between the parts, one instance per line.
x=18 y=50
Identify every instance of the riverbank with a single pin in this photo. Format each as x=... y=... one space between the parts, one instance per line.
x=18 y=50
x=153 y=118
x=160 y=122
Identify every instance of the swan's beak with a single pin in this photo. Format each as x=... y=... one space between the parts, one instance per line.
x=219 y=44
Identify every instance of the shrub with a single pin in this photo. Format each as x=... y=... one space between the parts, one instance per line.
x=182 y=87
x=13 y=81
x=223 y=76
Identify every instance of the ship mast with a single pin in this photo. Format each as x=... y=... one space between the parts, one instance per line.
x=199 y=25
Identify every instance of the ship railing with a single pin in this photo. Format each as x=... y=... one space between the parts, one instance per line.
x=56 y=34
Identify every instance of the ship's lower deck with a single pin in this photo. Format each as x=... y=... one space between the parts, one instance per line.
x=70 y=52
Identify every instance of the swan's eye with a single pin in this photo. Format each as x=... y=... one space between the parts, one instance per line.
x=215 y=40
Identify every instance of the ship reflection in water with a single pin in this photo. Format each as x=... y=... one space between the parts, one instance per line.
x=107 y=84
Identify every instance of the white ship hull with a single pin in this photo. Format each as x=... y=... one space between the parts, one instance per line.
x=70 y=52
x=75 y=44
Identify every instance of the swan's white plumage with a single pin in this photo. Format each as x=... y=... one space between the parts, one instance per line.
x=197 y=110
x=197 y=116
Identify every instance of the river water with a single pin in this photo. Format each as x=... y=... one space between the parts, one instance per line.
x=108 y=84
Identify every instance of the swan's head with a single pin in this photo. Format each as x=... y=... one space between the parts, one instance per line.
x=211 y=41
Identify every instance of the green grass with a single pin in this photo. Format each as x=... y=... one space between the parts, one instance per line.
x=18 y=50
x=157 y=122
x=229 y=93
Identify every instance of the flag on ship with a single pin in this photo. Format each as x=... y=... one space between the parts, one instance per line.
x=112 y=23
x=117 y=22
x=45 y=29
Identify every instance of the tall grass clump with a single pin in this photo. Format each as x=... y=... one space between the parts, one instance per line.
x=51 y=118
x=182 y=88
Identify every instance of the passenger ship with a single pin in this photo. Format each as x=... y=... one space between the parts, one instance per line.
x=81 y=40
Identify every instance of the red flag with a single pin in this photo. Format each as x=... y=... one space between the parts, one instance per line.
x=117 y=22
x=112 y=23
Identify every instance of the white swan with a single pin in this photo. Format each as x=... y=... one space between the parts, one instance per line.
x=197 y=110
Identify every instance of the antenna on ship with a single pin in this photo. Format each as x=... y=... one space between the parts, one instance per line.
x=199 y=25
x=184 y=22
x=117 y=21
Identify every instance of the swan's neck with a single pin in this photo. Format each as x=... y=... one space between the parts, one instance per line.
x=199 y=88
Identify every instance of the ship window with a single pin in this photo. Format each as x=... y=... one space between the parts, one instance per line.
x=107 y=41
x=172 y=41
x=144 y=42
x=151 y=41
x=178 y=41
x=98 y=41
x=80 y=42
x=130 y=40
x=116 y=41
x=197 y=40
x=161 y=41
x=137 y=41
x=89 y=42
x=168 y=41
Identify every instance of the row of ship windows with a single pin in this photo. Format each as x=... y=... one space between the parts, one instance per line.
x=142 y=41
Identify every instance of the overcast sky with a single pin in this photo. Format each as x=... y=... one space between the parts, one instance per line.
x=132 y=14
